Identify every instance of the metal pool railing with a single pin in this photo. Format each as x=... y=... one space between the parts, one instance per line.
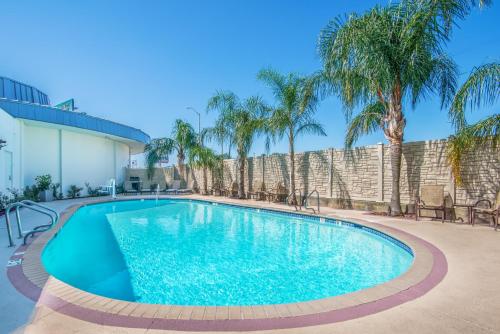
x=306 y=201
x=30 y=205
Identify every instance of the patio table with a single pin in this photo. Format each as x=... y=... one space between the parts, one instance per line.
x=469 y=211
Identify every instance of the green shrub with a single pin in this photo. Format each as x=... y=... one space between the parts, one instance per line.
x=92 y=192
x=56 y=190
x=4 y=201
x=32 y=193
x=74 y=191
x=120 y=188
x=43 y=182
x=15 y=195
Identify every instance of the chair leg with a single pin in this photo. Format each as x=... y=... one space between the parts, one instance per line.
x=443 y=216
x=473 y=217
x=417 y=209
x=496 y=220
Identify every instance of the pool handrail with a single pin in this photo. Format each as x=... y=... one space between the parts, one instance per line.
x=41 y=228
x=27 y=201
x=306 y=201
x=300 y=201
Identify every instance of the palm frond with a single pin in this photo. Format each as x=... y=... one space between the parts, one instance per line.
x=158 y=149
x=202 y=157
x=274 y=80
x=481 y=88
x=311 y=127
x=483 y=133
x=367 y=121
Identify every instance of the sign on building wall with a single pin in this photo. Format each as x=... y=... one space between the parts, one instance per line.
x=68 y=105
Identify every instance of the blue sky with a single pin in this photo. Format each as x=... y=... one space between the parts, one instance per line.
x=142 y=63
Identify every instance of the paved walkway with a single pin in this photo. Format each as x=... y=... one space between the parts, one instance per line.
x=466 y=301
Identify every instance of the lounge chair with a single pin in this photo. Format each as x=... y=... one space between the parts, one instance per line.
x=233 y=191
x=258 y=191
x=176 y=188
x=485 y=207
x=431 y=198
x=217 y=189
x=176 y=184
x=152 y=189
x=278 y=194
x=108 y=189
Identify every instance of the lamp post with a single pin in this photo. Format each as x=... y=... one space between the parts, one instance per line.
x=199 y=123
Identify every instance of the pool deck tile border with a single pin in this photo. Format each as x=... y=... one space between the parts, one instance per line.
x=31 y=279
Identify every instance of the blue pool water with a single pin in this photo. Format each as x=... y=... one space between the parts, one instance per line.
x=194 y=253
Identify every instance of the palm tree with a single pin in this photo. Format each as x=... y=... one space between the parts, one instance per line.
x=385 y=58
x=182 y=140
x=481 y=88
x=220 y=133
x=204 y=158
x=243 y=121
x=293 y=114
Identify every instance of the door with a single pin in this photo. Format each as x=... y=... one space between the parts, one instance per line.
x=9 y=177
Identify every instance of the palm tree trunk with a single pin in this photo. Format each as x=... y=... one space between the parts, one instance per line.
x=180 y=166
x=241 y=185
x=394 y=132
x=293 y=200
x=396 y=150
x=205 y=181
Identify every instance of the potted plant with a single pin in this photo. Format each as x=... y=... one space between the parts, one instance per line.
x=74 y=191
x=43 y=183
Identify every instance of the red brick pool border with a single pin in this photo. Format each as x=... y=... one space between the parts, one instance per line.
x=30 y=279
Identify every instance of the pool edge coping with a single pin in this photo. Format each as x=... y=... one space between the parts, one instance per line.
x=31 y=279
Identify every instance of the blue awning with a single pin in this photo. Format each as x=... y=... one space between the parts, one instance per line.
x=42 y=113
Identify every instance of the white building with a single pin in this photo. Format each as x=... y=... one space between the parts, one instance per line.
x=74 y=148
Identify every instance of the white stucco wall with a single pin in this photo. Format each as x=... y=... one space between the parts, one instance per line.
x=40 y=153
x=10 y=131
x=82 y=157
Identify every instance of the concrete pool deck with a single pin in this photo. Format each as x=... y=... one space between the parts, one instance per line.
x=466 y=301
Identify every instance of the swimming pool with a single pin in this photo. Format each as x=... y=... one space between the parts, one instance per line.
x=186 y=252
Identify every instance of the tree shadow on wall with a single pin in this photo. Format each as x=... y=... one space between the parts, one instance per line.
x=227 y=177
x=354 y=155
x=343 y=199
x=306 y=172
x=413 y=169
x=481 y=176
x=250 y=171
x=279 y=168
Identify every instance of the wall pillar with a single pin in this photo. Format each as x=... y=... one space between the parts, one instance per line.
x=330 y=172
x=114 y=160
x=380 y=172
x=263 y=157
x=59 y=162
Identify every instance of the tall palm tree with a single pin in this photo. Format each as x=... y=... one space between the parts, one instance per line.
x=221 y=134
x=243 y=119
x=183 y=138
x=481 y=88
x=293 y=115
x=385 y=58
x=204 y=158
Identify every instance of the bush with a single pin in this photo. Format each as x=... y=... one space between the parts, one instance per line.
x=43 y=182
x=32 y=193
x=15 y=195
x=4 y=201
x=92 y=192
x=120 y=188
x=74 y=191
x=56 y=193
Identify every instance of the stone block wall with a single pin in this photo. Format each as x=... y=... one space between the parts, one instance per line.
x=361 y=178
